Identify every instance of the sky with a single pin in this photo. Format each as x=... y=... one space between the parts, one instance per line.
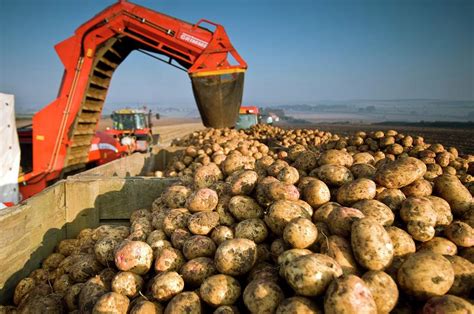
x=300 y=51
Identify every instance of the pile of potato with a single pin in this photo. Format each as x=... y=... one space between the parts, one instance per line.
x=371 y=223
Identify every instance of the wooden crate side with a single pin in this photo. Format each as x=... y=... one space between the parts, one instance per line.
x=28 y=233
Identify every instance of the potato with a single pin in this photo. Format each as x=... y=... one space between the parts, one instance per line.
x=166 y=285
x=383 y=289
x=42 y=304
x=195 y=271
x=306 y=206
x=282 y=212
x=41 y=275
x=71 y=296
x=463 y=276
x=220 y=290
x=334 y=175
x=403 y=243
x=393 y=198
x=203 y=222
x=68 y=246
x=111 y=302
x=232 y=163
x=460 y=233
x=287 y=256
x=90 y=293
x=177 y=218
x=468 y=253
x=400 y=173
x=175 y=196
x=104 y=250
x=235 y=257
x=206 y=176
x=252 y=229
x=340 y=250
x=127 y=283
x=357 y=190
x=305 y=161
x=245 y=207
x=185 y=302
x=335 y=157
x=139 y=214
x=454 y=192
x=202 y=200
x=85 y=267
x=443 y=211
x=221 y=233
x=439 y=245
x=309 y=275
x=371 y=244
x=262 y=296
x=340 y=220
x=418 y=212
x=316 y=193
x=418 y=188
x=263 y=271
x=375 y=209
x=109 y=231
x=296 y=305
x=169 y=259
x=22 y=289
x=262 y=190
x=363 y=171
x=226 y=309
x=242 y=182
x=178 y=237
x=198 y=246
x=300 y=233
x=142 y=306
x=425 y=274
x=52 y=261
x=282 y=191
x=158 y=218
x=349 y=294
x=134 y=256
x=288 y=175
x=448 y=304
x=155 y=235
x=62 y=283
x=322 y=213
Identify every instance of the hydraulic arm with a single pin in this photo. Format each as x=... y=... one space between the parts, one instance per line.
x=62 y=131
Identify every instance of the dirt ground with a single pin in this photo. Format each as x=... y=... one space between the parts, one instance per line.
x=463 y=139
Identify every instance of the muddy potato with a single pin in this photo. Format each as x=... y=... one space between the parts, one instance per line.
x=463 y=276
x=62 y=283
x=281 y=213
x=177 y=218
x=297 y=305
x=340 y=220
x=175 y=196
x=418 y=188
x=263 y=271
x=104 y=250
x=242 y=183
x=91 y=291
x=225 y=216
x=419 y=213
x=309 y=275
x=306 y=206
x=340 y=250
x=42 y=304
x=226 y=309
x=448 y=304
x=393 y=198
x=134 y=256
x=322 y=213
x=400 y=173
x=166 y=285
x=383 y=289
x=127 y=283
x=454 y=192
x=460 y=233
x=111 y=302
x=221 y=234
x=335 y=157
x=244 y=207
x=203 y=222
x=109 y=231
x=425 y=274
x=232 y=163
x=143 y=306
x=316 y=193
x=22 y=289
x=287 y=256
x=363 y=171
x=402 y=242
x=376 y=209
x=333 y=175
x=357 y=190
x=68 y=246
x=169 y=259
x=206 y=176
x=439 y=245
x=349 y=294
x=235 y=257
x=202 y=200
x=184 y=302
x=52 y=261
x=282 y=191
x=85 y=267
x=252 y=229
x=71 y=296
x=371 y=244
x=220 y=290
x=195 y=271
x=443 y=211
x=198 y=246
x=262 y=296
x=262 y=190
x=300 y=233
x=288 y=175
x=306 y=161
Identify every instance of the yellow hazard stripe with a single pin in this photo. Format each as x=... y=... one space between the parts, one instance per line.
x=217 y=72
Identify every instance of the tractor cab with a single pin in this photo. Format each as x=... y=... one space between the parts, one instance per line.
x=248 y=117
